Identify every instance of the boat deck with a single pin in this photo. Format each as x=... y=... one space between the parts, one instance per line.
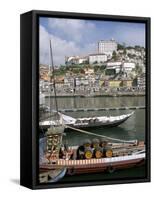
x=93 y=162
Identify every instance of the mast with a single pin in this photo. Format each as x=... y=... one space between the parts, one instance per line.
x=55 y=132
x=51 y=75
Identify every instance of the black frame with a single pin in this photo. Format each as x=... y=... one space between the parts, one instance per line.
x=29 y=98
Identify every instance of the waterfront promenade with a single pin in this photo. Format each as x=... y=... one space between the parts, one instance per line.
x=96 y=94
x=102 y=109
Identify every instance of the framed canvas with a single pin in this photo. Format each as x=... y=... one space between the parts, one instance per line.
x=85 y=99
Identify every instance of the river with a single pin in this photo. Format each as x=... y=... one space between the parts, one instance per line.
x=133 y=128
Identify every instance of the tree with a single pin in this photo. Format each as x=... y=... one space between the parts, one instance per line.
x=114 y=56
x=86 y=62
x=125 y=52
x=82 y=71
x=120 y=47
x=138 y=69
x=110 y=72
x=129 y=47
x=103 y=67
x=137 y=47
x=96 y=67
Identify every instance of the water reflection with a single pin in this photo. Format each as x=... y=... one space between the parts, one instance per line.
x=133 y=128
x=97 y=102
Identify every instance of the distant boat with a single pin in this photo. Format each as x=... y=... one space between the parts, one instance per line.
x=88 y=122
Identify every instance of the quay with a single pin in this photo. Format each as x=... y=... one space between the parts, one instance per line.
x=129 y=94
x=101 y=109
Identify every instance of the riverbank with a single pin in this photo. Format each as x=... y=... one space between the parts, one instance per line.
x=118 y=94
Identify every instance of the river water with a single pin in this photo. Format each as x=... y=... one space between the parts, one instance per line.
x=133 y=128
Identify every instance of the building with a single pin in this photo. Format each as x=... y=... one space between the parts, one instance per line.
x=70 y=60
x=107 y=46
x=69 y=81
x=114 y=83
x=128 y=66
x=131 y=51
x=114 y=65
x=81 y=81
x=127 y=83
x=43 y=85
x=83 y=60
x=141 y=81
x=89 y=71
x=136 y=52
x=97 y=58
x=44 y=71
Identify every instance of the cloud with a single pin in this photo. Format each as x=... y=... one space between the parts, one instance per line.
x=130 y=34
x=61 y=48
x=72 y=29
x=79 y=37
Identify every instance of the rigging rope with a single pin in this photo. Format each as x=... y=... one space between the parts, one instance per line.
x=102 y=136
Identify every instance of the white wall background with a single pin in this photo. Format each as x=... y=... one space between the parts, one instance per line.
x=9 y=98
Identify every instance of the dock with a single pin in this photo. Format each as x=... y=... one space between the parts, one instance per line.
x=96 y=94
x=101 y=109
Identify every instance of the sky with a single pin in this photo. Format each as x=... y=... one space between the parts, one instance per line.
x=72 y=37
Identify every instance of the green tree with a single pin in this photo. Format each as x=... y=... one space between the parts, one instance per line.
x=120 y=47
x=96 y=68
x=138 y=69
x=114 y=55
x=125 y=52
x=102 y=67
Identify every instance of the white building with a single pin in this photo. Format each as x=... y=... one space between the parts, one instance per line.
x=69 y=81
x=131 y=51
x=141 y=81
x=71 y=59
x=98 y=58
x=83 y=60
x=107 y=46
x=135 y=52
x=75 y=59
x=128 y=66
x=114 y=65
x=89 y=71
x=81 y=81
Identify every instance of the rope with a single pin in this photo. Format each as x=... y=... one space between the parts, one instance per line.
x=102 y=136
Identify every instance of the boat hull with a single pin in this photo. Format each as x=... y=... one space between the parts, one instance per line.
x=99 y=125
x=97 y=168
x=98 y=165
x=90 y=125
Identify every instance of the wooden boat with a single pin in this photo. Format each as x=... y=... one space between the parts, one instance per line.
x=116 y=156
x=88 y=122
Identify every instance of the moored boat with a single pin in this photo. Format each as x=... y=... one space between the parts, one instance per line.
x=88 y=122
x=93 y=157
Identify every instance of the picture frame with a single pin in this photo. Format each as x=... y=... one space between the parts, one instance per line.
x=30 y=91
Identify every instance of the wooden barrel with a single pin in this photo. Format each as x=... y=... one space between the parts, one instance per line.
x=95 y=143
x=108 y=152
x=88 y=153
x=87 y=143
x=103 y=143
x=98 y=152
